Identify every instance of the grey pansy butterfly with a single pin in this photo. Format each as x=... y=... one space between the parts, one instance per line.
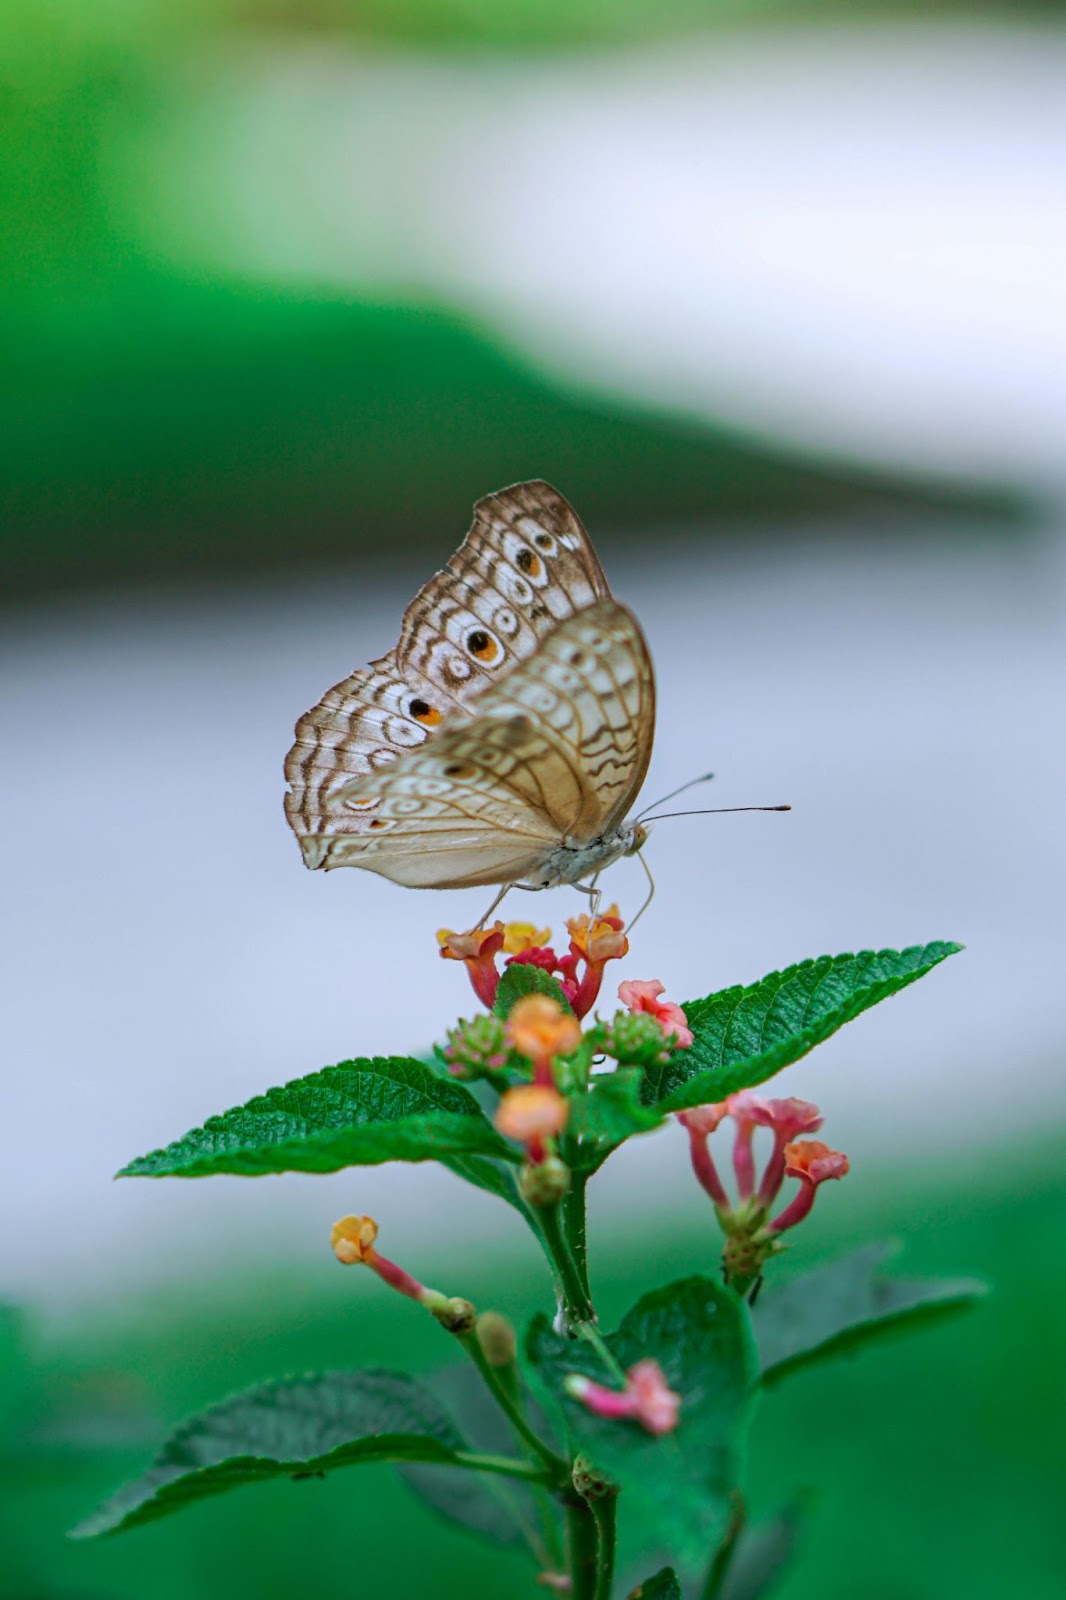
x=505 y=738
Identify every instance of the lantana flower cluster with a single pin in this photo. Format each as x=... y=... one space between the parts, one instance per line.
x=593 y=942
x=752 y=1227
x=539 y=1055
x=542 y=1044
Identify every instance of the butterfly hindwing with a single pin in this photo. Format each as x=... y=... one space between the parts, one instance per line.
x=554 y=752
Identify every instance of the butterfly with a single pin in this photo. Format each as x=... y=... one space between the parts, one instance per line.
x=505 y=738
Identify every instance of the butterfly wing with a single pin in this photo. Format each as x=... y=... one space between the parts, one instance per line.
x=554 y=754
x=526 y=564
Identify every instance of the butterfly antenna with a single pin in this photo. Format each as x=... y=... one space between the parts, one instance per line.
x=651 y=890
x=664 y=799
x=712 y=811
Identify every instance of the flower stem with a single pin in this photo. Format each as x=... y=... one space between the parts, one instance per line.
x=508 y=1403
x=583 y=1548
x=605 y=1510
x=574 y=1303
x=592 y=1335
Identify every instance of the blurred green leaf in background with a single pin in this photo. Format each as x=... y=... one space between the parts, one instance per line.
x=160 y=417
x=944 y=1449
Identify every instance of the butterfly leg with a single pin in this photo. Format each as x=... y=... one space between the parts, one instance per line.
x=481 y=921
x=595 y=895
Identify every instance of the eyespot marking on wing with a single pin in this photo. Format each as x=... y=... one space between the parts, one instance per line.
x=485 y=647
x=423 y=712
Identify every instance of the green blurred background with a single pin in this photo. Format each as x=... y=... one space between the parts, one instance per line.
x=286 y=287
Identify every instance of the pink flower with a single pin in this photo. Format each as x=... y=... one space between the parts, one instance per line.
x=701 y=1121
x=646 y=1398
x=747 y=1109
x=643 y=995
x=787 y=1118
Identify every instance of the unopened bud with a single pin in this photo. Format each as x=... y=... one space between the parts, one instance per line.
x=745 y=1255
x=496 y=1336
x=635 y=1039
x=456 y=1315
x=476 y=1049
x=544 y=1183
x=590 y=1482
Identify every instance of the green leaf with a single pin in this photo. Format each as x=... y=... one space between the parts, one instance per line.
x=492 y=1508
x=523 y=978
x=746 y=1034
x=845 y=1304
x=608 y=1114
x=359 y=1113
x=698 y=1332
x=292 y=1427
x=662 y=1585
x=485 y=1174
x=761 y=1555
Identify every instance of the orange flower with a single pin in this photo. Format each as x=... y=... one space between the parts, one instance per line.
x=594 y=940
x=539 y=1028
x=353 y=1238
x=598 y=939
x=531 y=1113
x=478 y=949
x=812 y=1161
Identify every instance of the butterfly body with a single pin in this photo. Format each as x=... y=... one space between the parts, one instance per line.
x=507 y=735
x=574 y=862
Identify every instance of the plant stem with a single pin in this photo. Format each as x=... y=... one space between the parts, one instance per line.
x=575 y=1305
x=507 y=1400
x=605 y=1510
x=723 y=1556
x=592 y=1335
x=583 y=1548
x=506 y=1466
x=574 y=1223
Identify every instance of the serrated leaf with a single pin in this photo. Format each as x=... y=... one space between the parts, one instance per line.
x=663 y=1585
x=358 y=1113
x=745 y=1034
x=699 y=1334
x=291 y=1427
x=606 y=1115
x=523 y=978
x=845 y=1304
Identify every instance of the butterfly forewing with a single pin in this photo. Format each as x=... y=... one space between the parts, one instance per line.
x=526 y=564
x=514 y=718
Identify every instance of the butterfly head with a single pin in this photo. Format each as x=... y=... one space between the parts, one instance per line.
x=635 y=835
